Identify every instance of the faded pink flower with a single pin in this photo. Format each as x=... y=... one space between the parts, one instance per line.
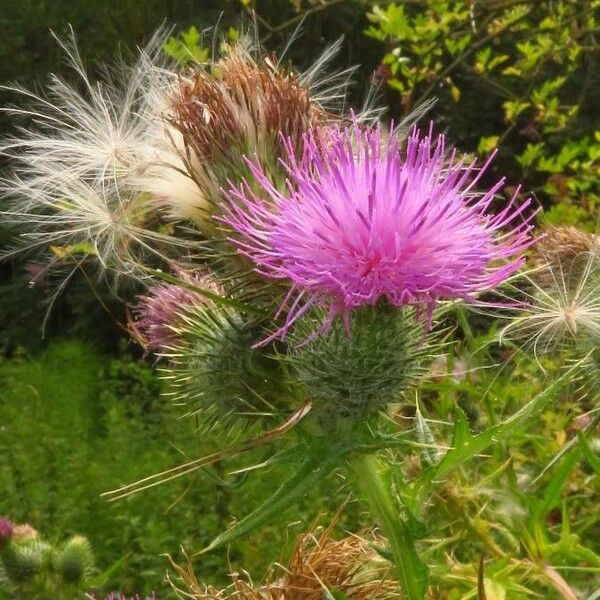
x=159 y=312
x=6 y=529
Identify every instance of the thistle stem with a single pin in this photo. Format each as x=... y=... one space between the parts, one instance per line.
x=370 y=481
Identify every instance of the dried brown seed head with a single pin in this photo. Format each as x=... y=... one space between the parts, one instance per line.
x=559 y=245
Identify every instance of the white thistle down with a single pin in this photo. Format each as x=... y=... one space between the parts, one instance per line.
x=104 y=132
x=562 y=306
x=75 y=165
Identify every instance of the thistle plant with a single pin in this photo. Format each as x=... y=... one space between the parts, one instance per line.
x=33 y=568
x=322 y=261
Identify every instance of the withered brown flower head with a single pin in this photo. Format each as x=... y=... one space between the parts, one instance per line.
x=239 y=107
x=561 y=254
x=559 y=245
x=319 y=564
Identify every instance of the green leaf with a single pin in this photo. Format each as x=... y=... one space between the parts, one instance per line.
x=187 y=47
x=487 y=144
x=592 y=459
x=553 y=491
x=532 y=154
x=425 y=437
x=466 y=446
x=305 y=476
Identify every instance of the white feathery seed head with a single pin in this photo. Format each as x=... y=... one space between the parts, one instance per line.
x=561 y=307
x=169 y=178
x=75 y=162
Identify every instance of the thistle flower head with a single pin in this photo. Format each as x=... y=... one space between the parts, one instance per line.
x=160 y=311
x=560 y=244
x=562 y=294
x=561 y=248
x=360 y=222
x=6 y=529
x=319 y=566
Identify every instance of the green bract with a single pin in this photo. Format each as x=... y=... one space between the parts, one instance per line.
x=358 y=371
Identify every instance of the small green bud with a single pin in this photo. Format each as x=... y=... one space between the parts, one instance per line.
x=75 y=560
x=357 y=368
x=23 y=560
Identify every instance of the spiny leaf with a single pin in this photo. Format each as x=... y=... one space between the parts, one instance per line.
x=305 y=477
x=465 y=445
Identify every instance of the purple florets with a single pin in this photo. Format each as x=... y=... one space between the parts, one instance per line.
x=6 y=529
x=160 y=311
x=362 y=221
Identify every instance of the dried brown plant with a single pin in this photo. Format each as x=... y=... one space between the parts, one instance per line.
x=241 y=102
x=560 y=245
x=319 y=565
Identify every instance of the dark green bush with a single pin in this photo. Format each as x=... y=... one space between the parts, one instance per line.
x=517 y=75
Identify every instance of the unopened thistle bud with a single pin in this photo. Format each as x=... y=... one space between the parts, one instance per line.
x=23 y=560
x=214 y=370
x=359 y=367
x=75 y=560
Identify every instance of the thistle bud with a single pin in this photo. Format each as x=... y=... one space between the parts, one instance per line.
x=160 y=311
x=359 y=367
x=75 y=560
x=23 y=560
x=214 y=369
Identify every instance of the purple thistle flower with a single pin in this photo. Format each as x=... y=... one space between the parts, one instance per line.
x=159 y=312
x=6 y=529
x=359 y=223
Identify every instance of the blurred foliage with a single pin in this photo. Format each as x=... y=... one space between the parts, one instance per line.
x=521 y=76
x=32 y=568
x=75 y=423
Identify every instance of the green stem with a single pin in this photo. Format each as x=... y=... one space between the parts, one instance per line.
x=411 y=571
